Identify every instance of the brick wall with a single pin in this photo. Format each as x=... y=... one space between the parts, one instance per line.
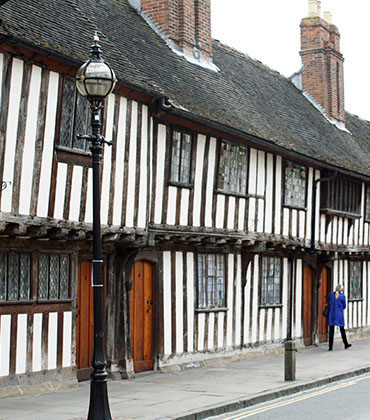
x=322 y=76
x=186 y=22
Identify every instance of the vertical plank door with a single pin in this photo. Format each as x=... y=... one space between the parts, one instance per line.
x=85 y=321
x=307 y=307
x=322 y=321
x=141 y=316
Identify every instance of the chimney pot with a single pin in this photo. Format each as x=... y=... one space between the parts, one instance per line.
x=313 y=10
x=328 y=17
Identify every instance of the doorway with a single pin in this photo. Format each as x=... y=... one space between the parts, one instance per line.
x=307 y=307
x=141 y=315
x=84 y=321
x=323 y=292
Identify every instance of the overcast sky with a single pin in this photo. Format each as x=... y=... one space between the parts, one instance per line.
x=268 y=30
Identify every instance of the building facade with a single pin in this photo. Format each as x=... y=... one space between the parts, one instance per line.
x=232 y=201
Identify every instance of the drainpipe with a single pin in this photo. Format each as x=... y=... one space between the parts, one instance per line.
x=313 y=224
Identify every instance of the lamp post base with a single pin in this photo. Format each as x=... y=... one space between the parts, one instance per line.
x=99 y=406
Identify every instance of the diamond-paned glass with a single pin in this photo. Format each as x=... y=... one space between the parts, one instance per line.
x=81 y=122
x=295 y=184
x=3 y=275
x=54 y=276
x=25 y=277
x=13 y=276
x=43 y=276
x=270 y=281
x=211 y=281
x=64 y=276
x=233 y=167
x=68 y=109
x=181 y=157
x=355 y=280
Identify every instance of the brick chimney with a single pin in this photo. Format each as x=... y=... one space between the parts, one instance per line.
x=187 y=23
x=322 y=75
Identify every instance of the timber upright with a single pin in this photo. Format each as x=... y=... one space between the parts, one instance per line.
x=96 y=84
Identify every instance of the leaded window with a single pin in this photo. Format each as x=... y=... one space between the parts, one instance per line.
x=74 y=117
x=270 y=281
x=233 y=167
x=54 y=274
x=367 y=202
x=295 y=184
x=15 y=276
x=181 y=157
x=355 y=280
x=211 y=281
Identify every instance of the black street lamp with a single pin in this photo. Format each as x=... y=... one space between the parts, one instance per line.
x=95 y=80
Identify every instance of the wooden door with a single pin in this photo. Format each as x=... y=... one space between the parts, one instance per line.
x=85 y=321
x=141 y=316
x=307 y=307
x=322 y=321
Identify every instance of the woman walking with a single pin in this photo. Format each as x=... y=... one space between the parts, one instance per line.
x=337 y=302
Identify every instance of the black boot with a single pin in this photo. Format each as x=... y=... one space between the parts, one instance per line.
x=344 y=338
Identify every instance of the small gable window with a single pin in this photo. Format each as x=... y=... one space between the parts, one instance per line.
x=232 y=168
x=355 y=280
x=181 y=158
x=270 y=281
x=295 y=177
x=74 y=117
x=211 y=281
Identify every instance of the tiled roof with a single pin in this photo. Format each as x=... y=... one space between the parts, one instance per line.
x=245 y=95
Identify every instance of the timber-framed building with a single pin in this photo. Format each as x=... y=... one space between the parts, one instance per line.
x=228 y=189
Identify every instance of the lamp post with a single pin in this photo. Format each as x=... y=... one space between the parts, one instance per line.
x=95 y=80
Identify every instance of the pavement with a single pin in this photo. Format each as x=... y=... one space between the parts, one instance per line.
x=200 y=392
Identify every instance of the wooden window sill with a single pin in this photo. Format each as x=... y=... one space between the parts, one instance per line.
x=77 y=157
x=280 y=305
x=180 y=185
x=209 y=310
x=339 y=213
x=289 y=206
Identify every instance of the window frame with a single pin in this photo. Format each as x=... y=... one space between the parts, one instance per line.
x=19 y=301
x=284 y=189
x=217 y=174
x=270 y=305
x=50 y=299
x=348 y=186
x=366 y=209
x=170 y=135
x=350 y=281
x=223 y=308
x=65 y=153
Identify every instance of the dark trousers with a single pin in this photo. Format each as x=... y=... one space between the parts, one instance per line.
x=331 y=336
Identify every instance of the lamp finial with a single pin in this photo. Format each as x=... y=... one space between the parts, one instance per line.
x=96 y=37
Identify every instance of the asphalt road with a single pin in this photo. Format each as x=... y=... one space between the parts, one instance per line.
x=346 y=400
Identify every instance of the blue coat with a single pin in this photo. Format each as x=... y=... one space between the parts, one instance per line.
x=336 y=309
